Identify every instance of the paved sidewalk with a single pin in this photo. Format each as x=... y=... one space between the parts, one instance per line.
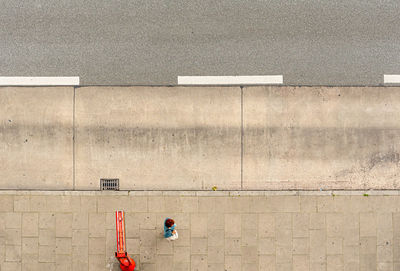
x=217 y=231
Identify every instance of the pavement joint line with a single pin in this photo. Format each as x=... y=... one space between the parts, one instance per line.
x=227 y=193
x=39 y=81
x=231 y=80
x=391 y=78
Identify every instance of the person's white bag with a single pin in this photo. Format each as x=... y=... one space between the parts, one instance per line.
x=174 y=236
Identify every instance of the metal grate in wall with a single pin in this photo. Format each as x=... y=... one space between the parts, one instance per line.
x=109 y=184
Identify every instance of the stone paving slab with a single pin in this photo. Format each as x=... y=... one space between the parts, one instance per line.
x=76 y=231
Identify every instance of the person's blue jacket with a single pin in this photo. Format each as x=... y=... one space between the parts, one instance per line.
x=168 y=231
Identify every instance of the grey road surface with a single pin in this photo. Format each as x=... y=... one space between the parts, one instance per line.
x=151 y=42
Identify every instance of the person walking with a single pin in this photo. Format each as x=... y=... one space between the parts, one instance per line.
x=169 y=229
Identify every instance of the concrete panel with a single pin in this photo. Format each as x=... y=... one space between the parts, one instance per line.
x=36 y=129
x=321 y=137
x=158 y=137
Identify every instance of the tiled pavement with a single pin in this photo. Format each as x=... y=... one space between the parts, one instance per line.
x=217 y=231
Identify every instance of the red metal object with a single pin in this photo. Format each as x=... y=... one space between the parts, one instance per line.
x=126 y=263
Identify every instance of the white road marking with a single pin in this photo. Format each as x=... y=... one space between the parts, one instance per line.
x=391 y=78
x=39 y=81
x=230 y=80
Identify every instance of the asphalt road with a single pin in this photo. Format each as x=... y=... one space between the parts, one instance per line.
x=337 y=42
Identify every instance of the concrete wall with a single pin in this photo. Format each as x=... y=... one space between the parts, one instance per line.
x=325 y=137
x=158 y=137
x=36 y=127
x=184 y=138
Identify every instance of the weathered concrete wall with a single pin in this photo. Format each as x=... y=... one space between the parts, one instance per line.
x=192 y=138
x=317 y=137
x=158 y=137
x=258 y=232
x=36 y=129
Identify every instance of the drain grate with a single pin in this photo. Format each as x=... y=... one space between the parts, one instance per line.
x=109 y=184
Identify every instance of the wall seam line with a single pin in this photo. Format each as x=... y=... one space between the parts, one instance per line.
x=73 y=140
x=241 y=137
